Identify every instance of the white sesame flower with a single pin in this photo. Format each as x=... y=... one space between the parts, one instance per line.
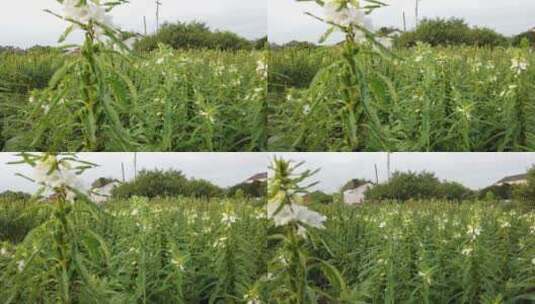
x=3 y=251
x=382 y=225
x=228 y=219
x=519 y=64
x=533 y=261
x=159 y=61
x=295 y=213
x=52 y=174
x=134 y=212
x=85 y=13
x=46 y=108
x=262 y=68
x=220 y=243
x=344 y=14
x=473 y=231
x=20 y=265
x=467 y=251
x=178 y=262
x=426 y=276
x=306 y=109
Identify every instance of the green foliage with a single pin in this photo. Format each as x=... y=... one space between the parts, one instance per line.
x=193 y=35
x=446 y=32
x=256 y=189
x=18 y=216
x=417 y=186
x=16 y=196
x=319 y=197
x=184 y=101
x=428 y=99
x=502 y=192
x=431 y=252
x=529 y=35
x=140 y=251
x=170 y=183
x=526 y=193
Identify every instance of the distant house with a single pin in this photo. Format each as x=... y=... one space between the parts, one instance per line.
x=101 y=189
x=257 y=178
x=520 y=179
x=355 y=196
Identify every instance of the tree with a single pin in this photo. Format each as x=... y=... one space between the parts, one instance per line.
x=14 y=196
x=193 y=35
x=502 y=192
x=255 y=189
x=320 y=197
x=453 y=31
x=170 y=183
x=405 y=186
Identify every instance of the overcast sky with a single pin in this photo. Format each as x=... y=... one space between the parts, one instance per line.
x=223 y=169
x=475 y=170
x=24 y=23
x=287 y=21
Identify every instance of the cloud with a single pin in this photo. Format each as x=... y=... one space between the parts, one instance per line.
x=287 y=21
x=25 y=24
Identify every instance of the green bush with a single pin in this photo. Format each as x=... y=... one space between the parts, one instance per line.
x=452 y=191
x=319 y=197
x=15 y=196
x=418 y=186
x=452 y=31
x=170 y=183
x=529 y=36
x=503 y=192
x=526 y=193
x=254 y=189
x=193 y=35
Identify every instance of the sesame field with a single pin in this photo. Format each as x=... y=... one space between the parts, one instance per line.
x=418 y=99
x=166 y=100
x=194 y=251
x=135 y=251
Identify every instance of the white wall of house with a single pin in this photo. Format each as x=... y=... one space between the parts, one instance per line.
x=102 y=194
x=356 y=196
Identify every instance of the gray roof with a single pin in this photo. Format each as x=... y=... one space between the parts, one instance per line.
x=512 y=178
x=259 y=176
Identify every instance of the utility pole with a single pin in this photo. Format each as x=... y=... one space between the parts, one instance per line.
x=404 y=22
x=388 y=165
x=145 y=24
x=416 y=12
x=376 y=176
x=122 y=170
x=135 y=166
x=158 y=4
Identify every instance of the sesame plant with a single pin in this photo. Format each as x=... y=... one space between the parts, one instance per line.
x=434 y=99
x=359 y=119
x=104 y=97
x=433 y=252
x=90 y=86
x=167 y=250
x=57 y=245
x=293 y=266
